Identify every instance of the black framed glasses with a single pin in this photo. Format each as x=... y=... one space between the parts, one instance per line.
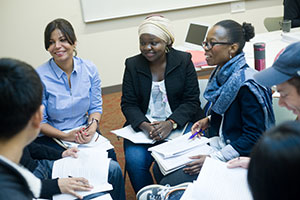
x=210 y=45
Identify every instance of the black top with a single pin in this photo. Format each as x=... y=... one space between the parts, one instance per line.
x=181 y=86
x=34 y=152
x=292 y=11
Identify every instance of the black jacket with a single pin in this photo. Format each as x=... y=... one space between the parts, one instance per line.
x=34 y=152
x=181 y=86
x=12 y=184
x=243 y=122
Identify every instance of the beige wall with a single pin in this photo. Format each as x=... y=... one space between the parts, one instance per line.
x=106 y=43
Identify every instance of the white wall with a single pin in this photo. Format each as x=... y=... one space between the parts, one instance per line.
x=106 y=43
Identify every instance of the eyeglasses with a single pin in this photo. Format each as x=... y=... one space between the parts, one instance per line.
x=210 y=45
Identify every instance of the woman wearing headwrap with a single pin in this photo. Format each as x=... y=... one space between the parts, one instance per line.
x=160 y=93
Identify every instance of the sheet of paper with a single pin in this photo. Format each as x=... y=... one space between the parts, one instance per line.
x=135 y=137
x=103 y=197
x=216 y=181
x=179 y=145
x=141 y=137
x=91 y=164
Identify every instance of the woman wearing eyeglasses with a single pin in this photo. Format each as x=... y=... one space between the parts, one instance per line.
x=241 y=110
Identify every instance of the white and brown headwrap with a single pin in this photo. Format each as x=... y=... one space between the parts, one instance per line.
x=159 y=26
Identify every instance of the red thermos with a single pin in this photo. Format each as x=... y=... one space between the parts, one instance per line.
x=259 y=56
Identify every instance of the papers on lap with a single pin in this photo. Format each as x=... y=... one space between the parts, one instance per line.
x=91 y=164
x=141 y=137
x=174 y=154
x=216 y=181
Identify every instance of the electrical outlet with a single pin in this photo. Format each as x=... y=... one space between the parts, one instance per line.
x=238 y=6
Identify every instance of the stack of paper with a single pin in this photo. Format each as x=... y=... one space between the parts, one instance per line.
x=216 y=181
x=174 y=154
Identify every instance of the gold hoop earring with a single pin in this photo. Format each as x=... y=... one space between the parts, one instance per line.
x=75 y=51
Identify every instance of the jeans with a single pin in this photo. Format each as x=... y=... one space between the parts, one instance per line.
x=138 y=162
x=174 y=178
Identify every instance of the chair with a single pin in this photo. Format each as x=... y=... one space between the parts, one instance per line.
x=282 y=114
x=202 y=85
x=273 y=23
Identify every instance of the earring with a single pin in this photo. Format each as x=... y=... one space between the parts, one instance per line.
x=167 y=50
x=75 y=51
x=230 y=56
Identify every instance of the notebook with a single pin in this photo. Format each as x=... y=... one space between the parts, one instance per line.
x=195 y=35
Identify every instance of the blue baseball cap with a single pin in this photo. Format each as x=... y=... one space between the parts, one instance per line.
x=284 y=68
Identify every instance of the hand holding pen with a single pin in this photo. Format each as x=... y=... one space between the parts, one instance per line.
x=199 y=133
x=199 y=127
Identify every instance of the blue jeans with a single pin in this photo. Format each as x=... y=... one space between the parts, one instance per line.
x=138 y=162
x=115 y=177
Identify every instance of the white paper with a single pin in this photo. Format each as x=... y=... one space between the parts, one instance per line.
x=179 y=145
x=216 y=182
x=135 y=137
x=103 y=197
x=141 y=137
x=92 y=164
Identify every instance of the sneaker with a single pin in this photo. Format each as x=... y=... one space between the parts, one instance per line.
x=162 y=192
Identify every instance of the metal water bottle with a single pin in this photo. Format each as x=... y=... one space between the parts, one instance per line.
x=259 y=56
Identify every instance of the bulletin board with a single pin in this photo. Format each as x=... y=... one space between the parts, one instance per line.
x=96 y=10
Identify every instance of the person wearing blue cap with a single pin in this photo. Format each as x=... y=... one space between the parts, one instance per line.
x=285 y=74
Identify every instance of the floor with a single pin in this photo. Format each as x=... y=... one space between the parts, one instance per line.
x=111 y=119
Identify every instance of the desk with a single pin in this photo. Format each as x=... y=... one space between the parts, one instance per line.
x=275 y=41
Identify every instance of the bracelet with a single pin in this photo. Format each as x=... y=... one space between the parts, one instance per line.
x=91 y=122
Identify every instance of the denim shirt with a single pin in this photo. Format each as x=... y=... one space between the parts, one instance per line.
x=68 y=107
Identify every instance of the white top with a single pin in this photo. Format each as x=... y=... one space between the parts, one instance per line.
x=159 y=108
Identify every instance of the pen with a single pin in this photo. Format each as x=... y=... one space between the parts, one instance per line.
x=197 y=132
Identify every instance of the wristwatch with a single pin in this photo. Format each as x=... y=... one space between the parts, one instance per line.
x=174 y=124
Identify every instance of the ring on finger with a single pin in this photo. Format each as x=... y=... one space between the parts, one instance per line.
x=160 y=136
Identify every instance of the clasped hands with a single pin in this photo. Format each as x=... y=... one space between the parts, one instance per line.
x=82 y=135
x=157 y=130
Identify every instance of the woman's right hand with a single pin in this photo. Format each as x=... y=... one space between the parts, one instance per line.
x=242 y=162
x=71 y=136
x=147 y=127
x=200 y=125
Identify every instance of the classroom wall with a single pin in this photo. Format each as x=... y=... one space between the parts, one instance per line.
x=106 y=43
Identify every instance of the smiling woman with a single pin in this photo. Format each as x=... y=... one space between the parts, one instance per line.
x=72 y=97
x=160 y=93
